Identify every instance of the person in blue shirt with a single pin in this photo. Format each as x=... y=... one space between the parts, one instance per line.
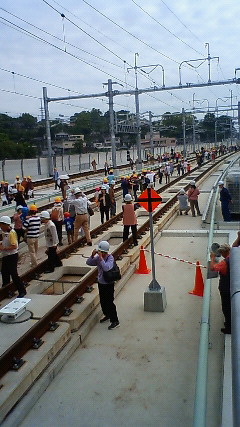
x=110 y=177
x=69 y=226
x=225 y=199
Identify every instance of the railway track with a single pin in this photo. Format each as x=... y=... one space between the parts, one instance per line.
x=12 y=356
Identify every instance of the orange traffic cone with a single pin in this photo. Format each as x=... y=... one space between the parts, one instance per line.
x=199 y=285
x=142 y=269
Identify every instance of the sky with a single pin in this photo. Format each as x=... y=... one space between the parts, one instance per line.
x=73 y=47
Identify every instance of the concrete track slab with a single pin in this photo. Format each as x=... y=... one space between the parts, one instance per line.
x=132 y=376
x=10 y=333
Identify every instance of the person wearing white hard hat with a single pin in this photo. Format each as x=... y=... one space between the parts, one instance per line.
x=193 y=194
x=183 y=202
x=52 y=241
x=104 y=261
x=225 y=199
x=129 y=219
x=9 y=249
x=81 y=204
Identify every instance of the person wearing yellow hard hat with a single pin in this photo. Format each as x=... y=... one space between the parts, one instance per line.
x=32 y=226
x=110 y=177
x=57 y=217
x=19 y=197
x=106 y=185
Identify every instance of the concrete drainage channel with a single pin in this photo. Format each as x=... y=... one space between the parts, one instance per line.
x=74 y=324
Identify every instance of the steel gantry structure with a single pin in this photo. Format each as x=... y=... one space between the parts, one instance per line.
x=110 y=94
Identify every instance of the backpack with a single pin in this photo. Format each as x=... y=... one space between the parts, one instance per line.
x=112 y=275
x=54 y=214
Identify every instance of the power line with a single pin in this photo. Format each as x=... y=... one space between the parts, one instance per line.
x=86 y=23
x=85 y=32
x=128 y=32
x=58 y=38
x=165 y=28
x=21 y=94
x=181 y=21
x=56 y=47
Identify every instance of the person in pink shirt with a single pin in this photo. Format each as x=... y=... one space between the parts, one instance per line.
x=129 y=219
x=193 y=194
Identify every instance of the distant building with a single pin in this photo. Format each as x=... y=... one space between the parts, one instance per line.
x=64 y=142
x=159 y=141
x=106 y=144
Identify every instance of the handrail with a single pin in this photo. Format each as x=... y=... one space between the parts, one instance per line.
x=200 y=402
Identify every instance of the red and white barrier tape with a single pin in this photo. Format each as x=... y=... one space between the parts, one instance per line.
x=177 y=259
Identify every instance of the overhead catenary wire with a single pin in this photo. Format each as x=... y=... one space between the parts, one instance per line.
x=165 y=28
x=58 y=38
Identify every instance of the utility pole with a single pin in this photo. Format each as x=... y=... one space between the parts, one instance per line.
x=194 y=133
x=111 y=118
x=184 y=133
x=151 y=132
x=48 y=132
x=139 y=154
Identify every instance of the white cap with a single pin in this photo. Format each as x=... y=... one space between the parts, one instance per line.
x=5 y=220
x=77 y=190
x=192 y=183
x=220 y=183
x=182 y=191
x=128 y=198
x=103 y=187
x=103 y=246
x=113 y=182
x=19 y=207
x=45 y=215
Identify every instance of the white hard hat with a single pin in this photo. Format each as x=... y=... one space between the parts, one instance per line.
x=63 y=177
x=192 y=183
x=19 y=207
x=5 y=220
x=182 y=191
x=45 y=215
x=220 y=183
x=128 y=198
x=77 y=190
x=113 y=182
x=103 y=246
x=103 y=187
x=14 y=191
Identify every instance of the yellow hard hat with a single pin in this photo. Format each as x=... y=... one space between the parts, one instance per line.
x=105 y=180
x=127 y=176
x=17 y=176
x=29 y=177
x=33 y=208
x=57 y=199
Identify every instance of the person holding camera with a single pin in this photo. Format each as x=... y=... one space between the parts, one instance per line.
x=104 y=261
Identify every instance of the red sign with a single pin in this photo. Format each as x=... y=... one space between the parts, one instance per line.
x=149 y=199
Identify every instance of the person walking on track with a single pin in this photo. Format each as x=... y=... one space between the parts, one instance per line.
x=81 y=203
x=9 y=249
x=129 y=219
x=32 y=225
x=104 y=261
x=193 y=194
x=51 y=237
x=104 y=203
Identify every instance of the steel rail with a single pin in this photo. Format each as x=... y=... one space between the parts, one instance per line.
x=66 y=251
x=23 y=344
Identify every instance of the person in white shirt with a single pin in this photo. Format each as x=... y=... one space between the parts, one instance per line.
x=52 y=241
x=81 y=203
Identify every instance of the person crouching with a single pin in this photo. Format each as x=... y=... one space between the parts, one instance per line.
x=51 y=237
x=183 y=202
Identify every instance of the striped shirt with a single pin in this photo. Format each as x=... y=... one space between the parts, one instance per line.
x=32 y=225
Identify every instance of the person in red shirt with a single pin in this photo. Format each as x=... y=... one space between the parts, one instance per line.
x=224 y=283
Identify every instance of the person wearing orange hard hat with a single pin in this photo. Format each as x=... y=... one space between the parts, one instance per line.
x=32 y=226
x=57 y=217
